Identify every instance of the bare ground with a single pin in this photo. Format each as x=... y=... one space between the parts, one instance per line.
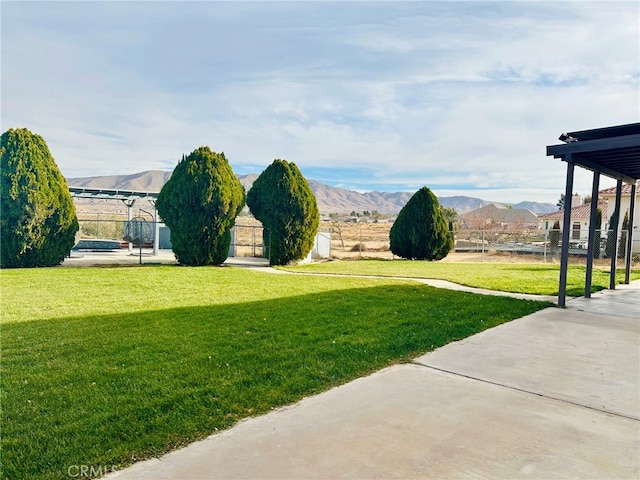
x=349 y=240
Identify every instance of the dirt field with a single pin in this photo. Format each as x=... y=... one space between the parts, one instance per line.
x=371 y=240
x=348 y=239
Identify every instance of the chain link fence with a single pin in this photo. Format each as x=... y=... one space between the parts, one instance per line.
x=351 y=240
x=109 y=232
x=103 y=227
x=113 y=232
x=249 y=241
x=541 y=246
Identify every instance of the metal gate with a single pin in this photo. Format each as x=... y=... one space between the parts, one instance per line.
x=248 y=241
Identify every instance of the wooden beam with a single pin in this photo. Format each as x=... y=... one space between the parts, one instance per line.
x=592 y=235
x=614 y=227
x=588 y=146
x=586 y=154
x=632 y=207
x=564 y=255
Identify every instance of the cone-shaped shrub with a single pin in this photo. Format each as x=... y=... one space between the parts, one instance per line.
x=38 y=222
x=420 y=231
x=199 y=204
x=283 y=201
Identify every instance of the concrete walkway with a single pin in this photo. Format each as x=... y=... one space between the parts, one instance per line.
x=427 y=281
x=166 y=257
x=552 y=395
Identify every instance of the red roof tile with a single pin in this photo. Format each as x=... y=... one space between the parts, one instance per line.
x=626 y=190
x=581 y=211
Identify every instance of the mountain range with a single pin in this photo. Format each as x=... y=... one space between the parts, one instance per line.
x=330 y=199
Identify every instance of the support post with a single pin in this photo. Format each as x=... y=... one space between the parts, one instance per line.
x=632 y=207
x=564 y=255
x=592 y=234
x=156 y=228
x=614 y=228
x=129 y=202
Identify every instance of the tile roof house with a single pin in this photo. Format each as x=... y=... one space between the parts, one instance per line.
x=606 y=202
x=498 y=217
x=609 y=195
x=579 y=218
x=626 y=190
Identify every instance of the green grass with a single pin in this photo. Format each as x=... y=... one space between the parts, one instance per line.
x=105 y=366
x=507 y=277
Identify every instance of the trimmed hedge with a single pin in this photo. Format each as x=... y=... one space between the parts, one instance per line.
x=420 y=232
x=199 y=204
x=38 y=223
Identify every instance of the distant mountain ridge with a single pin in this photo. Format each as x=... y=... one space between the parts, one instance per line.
x=330 y=199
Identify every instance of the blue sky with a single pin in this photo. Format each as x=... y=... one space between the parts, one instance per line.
x=460 y=96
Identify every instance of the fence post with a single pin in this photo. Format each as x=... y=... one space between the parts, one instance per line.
x=627 y=263
x=614 y=228
x=253 y=236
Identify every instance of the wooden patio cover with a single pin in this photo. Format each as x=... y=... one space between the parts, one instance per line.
x=611 y=151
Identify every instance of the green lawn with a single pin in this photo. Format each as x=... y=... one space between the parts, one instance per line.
x=105 y=366
x=508 y=277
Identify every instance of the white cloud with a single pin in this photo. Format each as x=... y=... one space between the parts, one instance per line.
x=435 y=93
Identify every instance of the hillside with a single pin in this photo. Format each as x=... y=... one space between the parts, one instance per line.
x=148 y=181
x=330 y=199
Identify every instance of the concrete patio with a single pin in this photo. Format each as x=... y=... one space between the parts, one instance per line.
x=552 y=395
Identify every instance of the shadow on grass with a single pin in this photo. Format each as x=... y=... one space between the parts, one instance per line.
x=542 y=279
x=112 y=389
x=576 y=277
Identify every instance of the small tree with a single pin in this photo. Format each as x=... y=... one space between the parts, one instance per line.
x=598 y=234
x=450 y=215
x=420 y=231
x=622 y=245
x=336 y=226
x=38 y=223
x=610 y=245
x=282 y=200
x=554 y=236
x=199 y=204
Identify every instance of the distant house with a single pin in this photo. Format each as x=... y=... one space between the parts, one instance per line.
x=609 y=196
x=580 y=214
x=498 y=217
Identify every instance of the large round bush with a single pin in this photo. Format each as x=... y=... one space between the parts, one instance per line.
x=199 y=204
x=420 y=232
x=283 y=201
x=38 y=223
